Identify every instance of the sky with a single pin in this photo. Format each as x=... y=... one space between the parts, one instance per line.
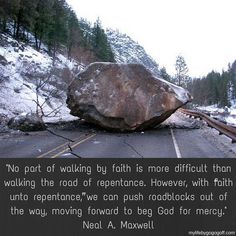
x=202 y=31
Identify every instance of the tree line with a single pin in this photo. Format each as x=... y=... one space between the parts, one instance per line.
x=55 y=24
x=214 y=88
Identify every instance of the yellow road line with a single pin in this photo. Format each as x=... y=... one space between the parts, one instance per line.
x=73 y=146
x=58 y=147
x=54 y=149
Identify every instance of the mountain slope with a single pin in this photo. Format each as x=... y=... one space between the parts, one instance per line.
x=31 y=82
x=23 y=71
x=127 y=50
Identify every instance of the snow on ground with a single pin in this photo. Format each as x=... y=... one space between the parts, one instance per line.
x=200 y=128
x=21 y=67
x=18 y=54
x=226 y=114
x=180 y=121
x=222 y=142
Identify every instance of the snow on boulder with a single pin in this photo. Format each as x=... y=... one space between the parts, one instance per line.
x=27 y=122
x=123 y=97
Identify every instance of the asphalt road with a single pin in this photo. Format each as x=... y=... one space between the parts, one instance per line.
x=94 y=143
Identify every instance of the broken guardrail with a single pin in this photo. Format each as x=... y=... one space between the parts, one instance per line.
x=221 y=127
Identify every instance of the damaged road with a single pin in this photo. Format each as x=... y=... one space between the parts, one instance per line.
x=178 y=137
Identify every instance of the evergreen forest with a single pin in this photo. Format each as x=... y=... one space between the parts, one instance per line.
x=54 y=24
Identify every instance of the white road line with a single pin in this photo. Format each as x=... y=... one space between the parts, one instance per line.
x=178 y=154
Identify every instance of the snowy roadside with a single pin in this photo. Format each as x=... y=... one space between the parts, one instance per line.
x=226 y=115
x=222 y=142
x=180 y=121
x=21 y=70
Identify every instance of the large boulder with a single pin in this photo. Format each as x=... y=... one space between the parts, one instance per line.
x=123 y=97
x=27 y=122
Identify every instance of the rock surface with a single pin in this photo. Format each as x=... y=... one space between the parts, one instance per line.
x=27 y=123
x=123 y=97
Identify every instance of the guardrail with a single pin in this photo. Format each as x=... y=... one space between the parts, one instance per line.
x=221 y=127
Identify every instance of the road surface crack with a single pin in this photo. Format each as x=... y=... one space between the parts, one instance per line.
x=69 y=146
x=58 y=135
x=72 y=152
x=129 y=145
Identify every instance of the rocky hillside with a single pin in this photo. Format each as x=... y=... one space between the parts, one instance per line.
x=31 y=81
x=126 y=50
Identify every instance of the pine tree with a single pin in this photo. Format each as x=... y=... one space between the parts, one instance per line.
x=8 y=13
x=87 y=33
x=181 y=78
x=43 y=20
x=100 y=43
x=165 y=75
x=25 y=17
x=74 y=32
x=58 y=32
x=224 y=89
x=233 y=79
x=4 y=14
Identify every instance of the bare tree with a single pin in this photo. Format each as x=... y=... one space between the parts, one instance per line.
x=43 y=84
x=45 y=90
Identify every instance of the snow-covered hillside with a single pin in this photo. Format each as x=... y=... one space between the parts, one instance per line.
x=28 y=78
x=127 y=50
x=23 y=71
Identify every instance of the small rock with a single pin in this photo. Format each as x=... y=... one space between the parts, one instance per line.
x=27 y=123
